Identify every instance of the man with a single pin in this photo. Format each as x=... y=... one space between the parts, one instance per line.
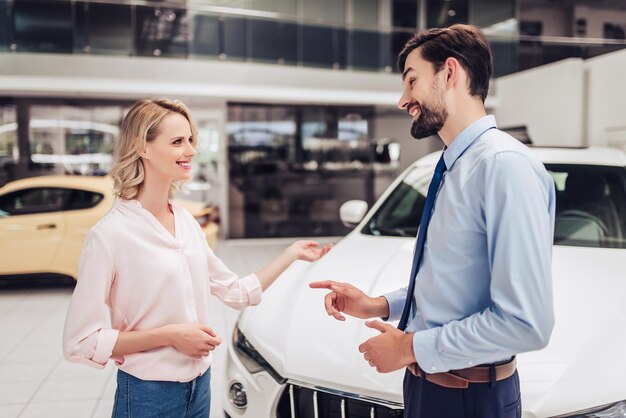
x=482 y=264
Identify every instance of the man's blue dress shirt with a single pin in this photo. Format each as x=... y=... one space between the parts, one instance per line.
x=484 y=289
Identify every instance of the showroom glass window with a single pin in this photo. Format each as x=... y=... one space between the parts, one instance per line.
x=364 y=49
x=291 y=167
x=218 y=35
x=273 y=41
x=161 y=31
x=497 y=18
x=209 y=167
x=545 y=19
x=327 y=11
x=207 y=30
x=285 y=7
x=43 y=26
x=103 y=28
x=74 y=139
x=404 y=18
x=5 y=25
x=365 y=41
x=261 y=147
x=323 y=46
x=222 y=36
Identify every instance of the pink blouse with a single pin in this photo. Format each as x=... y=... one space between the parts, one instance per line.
x=148 y=279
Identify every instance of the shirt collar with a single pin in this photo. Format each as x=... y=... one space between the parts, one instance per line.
x=467 y=138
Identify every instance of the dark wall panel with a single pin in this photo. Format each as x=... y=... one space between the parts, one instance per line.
x=43 y=26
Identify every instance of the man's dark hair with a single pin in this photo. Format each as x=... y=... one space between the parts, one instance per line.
x=466 y=43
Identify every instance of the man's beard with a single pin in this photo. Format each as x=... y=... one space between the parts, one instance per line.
x=431 y=119
x=428 y=123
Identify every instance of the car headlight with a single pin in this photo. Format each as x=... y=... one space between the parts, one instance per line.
x=250 y=358
x=612 y=410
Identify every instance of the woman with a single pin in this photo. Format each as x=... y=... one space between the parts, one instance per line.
x=148 y=261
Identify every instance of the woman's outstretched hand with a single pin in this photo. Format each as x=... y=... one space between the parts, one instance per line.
x=308 y=250
x=299 y=250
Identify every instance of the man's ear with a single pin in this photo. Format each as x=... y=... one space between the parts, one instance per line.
x=452 y=66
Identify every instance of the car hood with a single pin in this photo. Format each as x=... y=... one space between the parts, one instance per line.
x=578 y=369
x=292 y=331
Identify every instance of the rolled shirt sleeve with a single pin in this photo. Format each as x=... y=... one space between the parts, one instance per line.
x=85 y=338
x=233 y=291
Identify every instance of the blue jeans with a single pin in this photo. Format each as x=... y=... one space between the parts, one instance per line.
x=136 y=398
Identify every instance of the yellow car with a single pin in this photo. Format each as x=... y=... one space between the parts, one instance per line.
x=44 y=220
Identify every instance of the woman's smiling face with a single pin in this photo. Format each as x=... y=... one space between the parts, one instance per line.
x=169 y=155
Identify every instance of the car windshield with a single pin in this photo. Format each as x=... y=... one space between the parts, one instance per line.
x=590 y=206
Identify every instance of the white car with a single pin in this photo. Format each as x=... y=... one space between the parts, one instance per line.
x=288 y=359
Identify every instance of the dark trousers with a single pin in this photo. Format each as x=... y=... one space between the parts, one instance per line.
x=423 y=399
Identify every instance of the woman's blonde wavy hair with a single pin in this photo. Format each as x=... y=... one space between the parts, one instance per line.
x=140 y=126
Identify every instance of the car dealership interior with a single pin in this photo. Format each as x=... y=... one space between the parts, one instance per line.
x=299 y=136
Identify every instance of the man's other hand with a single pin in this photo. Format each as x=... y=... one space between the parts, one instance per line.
x=389 y=351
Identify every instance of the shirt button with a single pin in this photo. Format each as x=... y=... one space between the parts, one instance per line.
x=433 y=368
x=470 y=363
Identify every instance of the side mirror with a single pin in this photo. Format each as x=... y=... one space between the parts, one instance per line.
x=352 y=212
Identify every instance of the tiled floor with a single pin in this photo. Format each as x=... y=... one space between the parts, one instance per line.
x=35 y=380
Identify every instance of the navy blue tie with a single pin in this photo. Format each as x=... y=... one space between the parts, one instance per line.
x=421 y=239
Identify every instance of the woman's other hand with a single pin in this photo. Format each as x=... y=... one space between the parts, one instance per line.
x=192 y=339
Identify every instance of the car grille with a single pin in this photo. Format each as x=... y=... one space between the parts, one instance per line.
x=303 y=402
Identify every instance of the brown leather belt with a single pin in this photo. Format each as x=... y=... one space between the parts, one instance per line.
x=460 y=379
